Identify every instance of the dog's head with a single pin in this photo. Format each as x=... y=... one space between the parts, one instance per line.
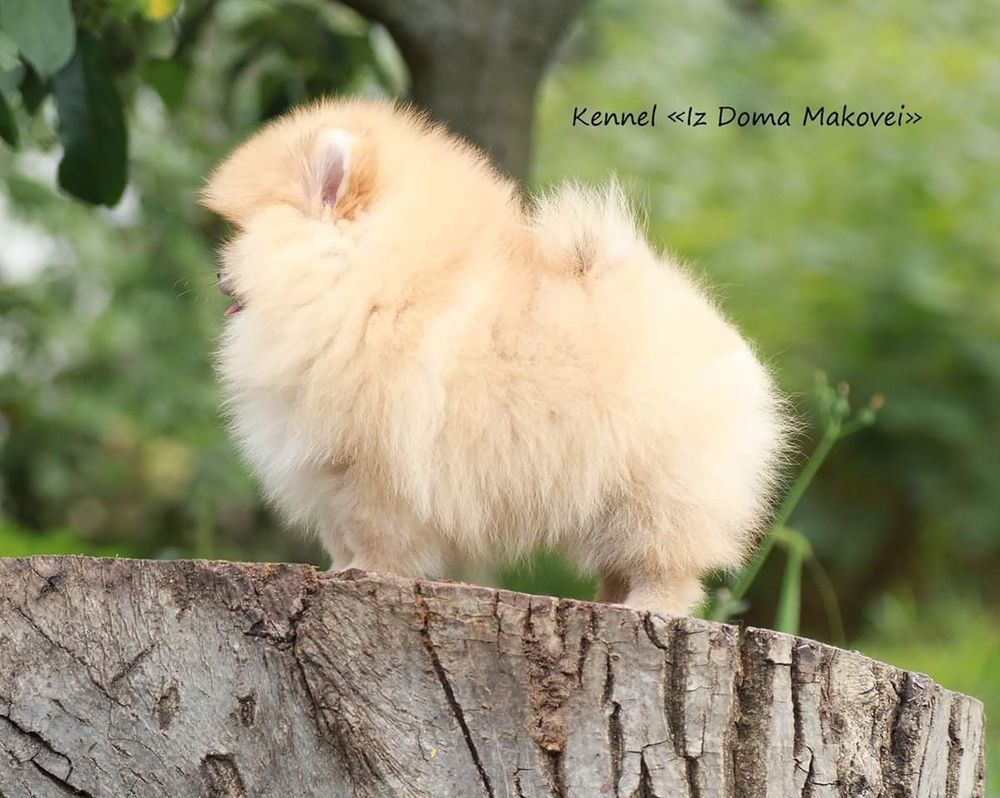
x=315 y=164
x=343 y=168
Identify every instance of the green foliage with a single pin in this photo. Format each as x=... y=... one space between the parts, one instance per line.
x=42 y=30
x=8 y=125
x=42 y=52
x=91 y=127
x=16 y=541
x=9 y=58
x=110 y=428
x=292 y=59
x=92 y=64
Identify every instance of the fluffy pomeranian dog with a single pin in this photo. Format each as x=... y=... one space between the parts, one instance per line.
x=420 y=366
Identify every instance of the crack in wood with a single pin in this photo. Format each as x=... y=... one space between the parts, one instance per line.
x=614 y=732
x=60 y=779
x=61 y=783
x=449 y=691
x=69 y=652
x=131 y=665
x=553 y=761
x=328 y=724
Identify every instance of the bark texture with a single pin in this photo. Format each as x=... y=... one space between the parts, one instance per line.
x=476 y=64
x=135 y=678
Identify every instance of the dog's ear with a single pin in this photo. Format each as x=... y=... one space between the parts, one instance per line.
x=341 y=174
x=327 y=174
x=330 y=166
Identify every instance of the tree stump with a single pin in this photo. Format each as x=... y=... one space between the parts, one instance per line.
x=136 y=678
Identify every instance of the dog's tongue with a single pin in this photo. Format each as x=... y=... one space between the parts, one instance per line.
x=233 y=309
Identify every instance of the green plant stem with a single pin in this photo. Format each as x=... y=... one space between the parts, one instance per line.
x=792 y=498
x=790 y=598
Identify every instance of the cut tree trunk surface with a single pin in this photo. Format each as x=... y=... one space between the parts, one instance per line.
x=136 y=678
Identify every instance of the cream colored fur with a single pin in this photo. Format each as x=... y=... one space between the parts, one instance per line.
x=424 y=368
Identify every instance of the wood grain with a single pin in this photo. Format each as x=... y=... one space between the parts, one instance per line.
x=136 y=678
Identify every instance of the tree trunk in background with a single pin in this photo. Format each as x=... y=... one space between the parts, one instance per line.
x=123 y=677
x=476 y=64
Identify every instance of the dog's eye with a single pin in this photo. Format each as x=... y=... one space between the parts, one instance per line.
x=218 y=229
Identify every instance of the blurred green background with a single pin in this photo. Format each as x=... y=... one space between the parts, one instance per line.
x=872 y=255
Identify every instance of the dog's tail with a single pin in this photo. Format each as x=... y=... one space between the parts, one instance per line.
x=588 y=229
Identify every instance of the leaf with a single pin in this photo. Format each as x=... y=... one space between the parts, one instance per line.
x=91 y=127
x=8 y=125
x=43 y=31
x=9 y=58
x=9 y=81
x=33 y=91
